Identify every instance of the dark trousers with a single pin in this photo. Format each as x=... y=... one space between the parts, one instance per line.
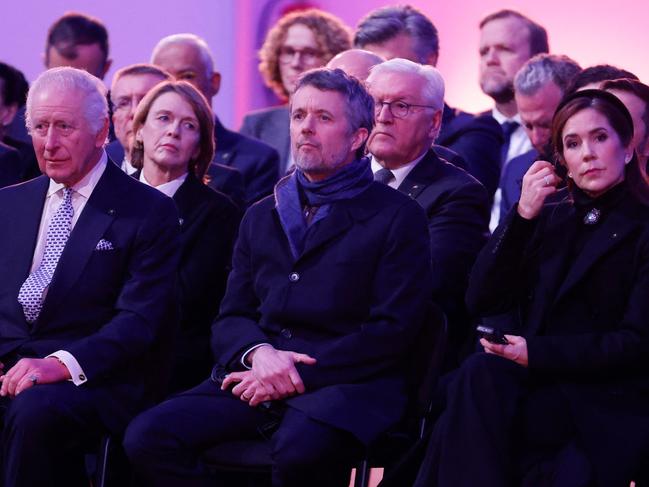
x=499 y=423
x=47 y=430
x=165 y=443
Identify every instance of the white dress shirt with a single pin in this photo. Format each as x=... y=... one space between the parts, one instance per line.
x=399 y=173
x=80 y=195
x=127 y=167
x=519 y=142
x=169 y=188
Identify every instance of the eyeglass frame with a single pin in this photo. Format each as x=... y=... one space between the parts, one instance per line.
x=378 y=107
x=308 y=55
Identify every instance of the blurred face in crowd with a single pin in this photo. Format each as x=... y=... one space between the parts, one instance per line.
x=299 y=52
x=88 y=57
x=125 y=94
x=400 y=46
x=636 y=108
x=322 y=141
x=170 y=135
x=185 y=63
x=401 y=132
x=536 y=113
x=593 y=153
x=504 y=48
x=65 y=145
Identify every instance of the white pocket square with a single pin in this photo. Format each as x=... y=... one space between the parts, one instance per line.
x=104 y=244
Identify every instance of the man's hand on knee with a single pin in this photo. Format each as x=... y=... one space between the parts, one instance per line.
x=31 y=371
x=248 y=388
x=276 y=368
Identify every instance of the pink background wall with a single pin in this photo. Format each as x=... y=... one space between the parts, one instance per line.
x=591 y=32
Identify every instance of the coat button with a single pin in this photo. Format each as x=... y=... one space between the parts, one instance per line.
x=293 y=277
x=82 y=377
x=286 y=333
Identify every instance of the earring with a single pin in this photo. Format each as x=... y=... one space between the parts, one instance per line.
x=570 y=175
x=627 y=159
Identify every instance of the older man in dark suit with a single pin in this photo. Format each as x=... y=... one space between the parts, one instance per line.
x=409 y=104
x=318 y=316
x=87 y=296
x=187 y=57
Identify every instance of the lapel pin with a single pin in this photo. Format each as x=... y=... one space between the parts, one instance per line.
x=181 y=221
x=111 y=212
x=592 y=217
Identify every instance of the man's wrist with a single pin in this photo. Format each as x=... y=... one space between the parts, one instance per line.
x=63 y=367
x=251 y=355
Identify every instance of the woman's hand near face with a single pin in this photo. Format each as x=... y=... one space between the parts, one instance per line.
x=539 y=182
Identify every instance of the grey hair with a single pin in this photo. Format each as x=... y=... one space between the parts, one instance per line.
x=542 y=69
x=433 y=91
x=385 y=23
x=359 y=105
x=191 y=39
x=80 y=83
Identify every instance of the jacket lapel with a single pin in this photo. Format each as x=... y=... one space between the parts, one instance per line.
x=421 y=176
x=611 y=233
x=96 y=217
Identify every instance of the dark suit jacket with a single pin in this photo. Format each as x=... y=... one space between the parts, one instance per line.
x=354 y=300
x=478 y=140
x=257 y=162
x=30 y=167
x=457 y=209
x=271 y=125
x=209 y=221
x=512 y=180
x=111 y=309
x=10 y=166
x=585 y=320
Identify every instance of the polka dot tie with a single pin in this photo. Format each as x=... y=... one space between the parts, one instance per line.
x=30 y=295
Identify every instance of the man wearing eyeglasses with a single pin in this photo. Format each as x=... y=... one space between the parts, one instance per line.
x=408 y=107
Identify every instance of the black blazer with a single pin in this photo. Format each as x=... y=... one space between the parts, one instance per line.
x=257 y=162
x=457 y=209
x=271 y=125
x=10 y=166
x=585 y=320
x=354 y=300
x=478 y=140
x=114 y=310
x=209 y=221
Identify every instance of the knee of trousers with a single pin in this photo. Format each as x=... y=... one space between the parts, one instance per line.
x=483 y=370
x=148 y=435
x=32 y=415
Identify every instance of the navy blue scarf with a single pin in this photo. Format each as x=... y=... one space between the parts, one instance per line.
x=351 y=180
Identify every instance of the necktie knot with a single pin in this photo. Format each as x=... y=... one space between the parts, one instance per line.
x=384 y=176
x=508 y=129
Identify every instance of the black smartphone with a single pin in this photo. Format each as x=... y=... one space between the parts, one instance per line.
x=493 y=335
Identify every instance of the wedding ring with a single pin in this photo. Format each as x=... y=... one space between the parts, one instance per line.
x=34 y=379
x=243 y=396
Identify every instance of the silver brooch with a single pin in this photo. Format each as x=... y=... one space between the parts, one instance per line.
x=592 y=216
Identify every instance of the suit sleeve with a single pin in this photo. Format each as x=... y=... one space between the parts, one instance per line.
x=457 y=225
x=401 y=291
x=496 y=280
x=145 y=309
x=624 y=348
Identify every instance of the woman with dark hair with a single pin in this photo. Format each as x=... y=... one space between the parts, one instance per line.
x=174 y=144
x=564 y=401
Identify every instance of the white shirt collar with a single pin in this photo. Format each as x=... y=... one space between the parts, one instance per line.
x=127 y=167
x=501 y=119
x=169 y=188
x=87 y=184
x=400 y=173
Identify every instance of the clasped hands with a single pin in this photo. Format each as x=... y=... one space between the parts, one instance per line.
x=31 y=371
x=273 y=376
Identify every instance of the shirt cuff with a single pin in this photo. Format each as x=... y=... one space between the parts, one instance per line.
x=67 y=359
x=245 y=354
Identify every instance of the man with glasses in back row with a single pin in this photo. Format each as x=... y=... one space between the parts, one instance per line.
x=408 y=103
